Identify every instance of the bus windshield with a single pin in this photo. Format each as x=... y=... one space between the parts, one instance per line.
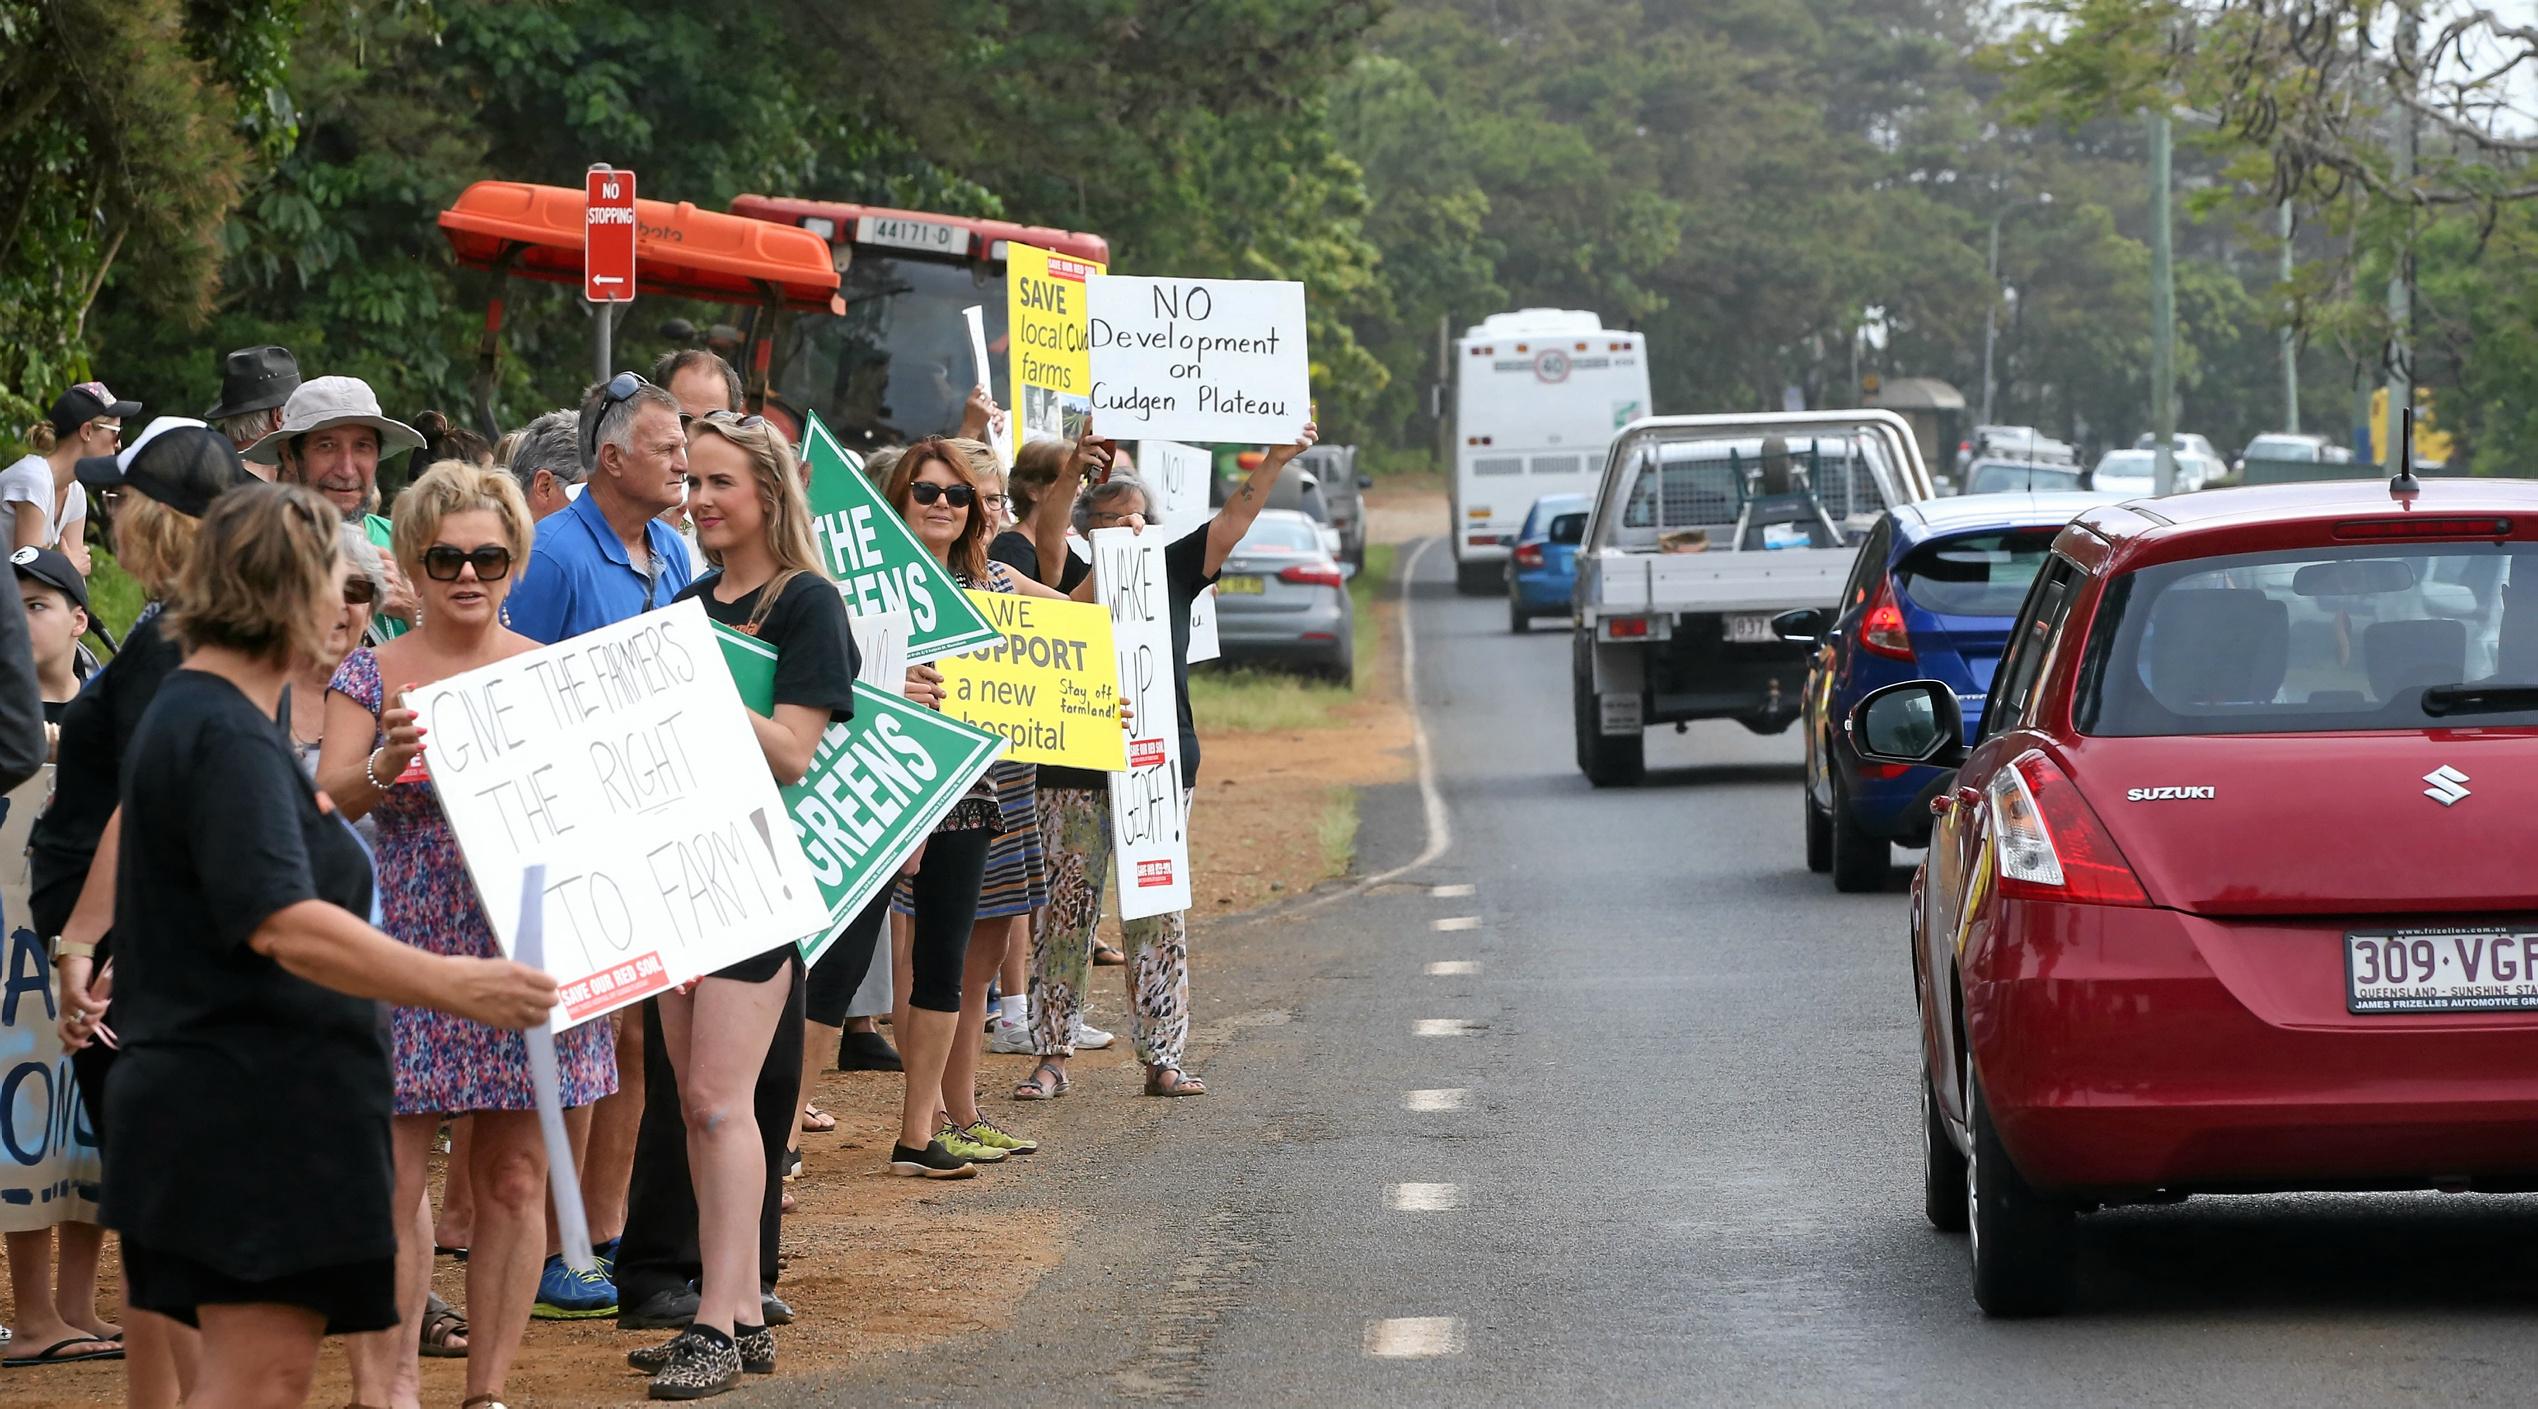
x=896 y=366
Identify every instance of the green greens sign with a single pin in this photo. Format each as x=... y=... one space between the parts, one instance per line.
x=877 y=560
x=875 y=788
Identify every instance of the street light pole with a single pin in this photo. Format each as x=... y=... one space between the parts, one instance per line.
x=1991 y=307
x=2290 y=336
x=2401 y=369
x=2163 y=313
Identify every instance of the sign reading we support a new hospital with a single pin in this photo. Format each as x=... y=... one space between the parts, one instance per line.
x=1050 y=687
x=877 y=561
x=623 y=760
x=1206 y=360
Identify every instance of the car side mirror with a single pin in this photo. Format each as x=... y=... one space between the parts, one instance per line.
x=1914 y=723
x=1803 y=627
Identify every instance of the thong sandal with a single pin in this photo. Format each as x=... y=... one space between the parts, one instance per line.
x=441 y=1325
x=1182 y=1084
x=816 y=1121
x=1036 y=1089
x=52 y=1354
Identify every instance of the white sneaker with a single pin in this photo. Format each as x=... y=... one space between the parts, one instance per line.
x=1089 y=1038
x=1009 y=1039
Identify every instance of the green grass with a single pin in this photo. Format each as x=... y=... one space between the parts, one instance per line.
x=114 y=599
x=1336 y=830
x=1250 y=698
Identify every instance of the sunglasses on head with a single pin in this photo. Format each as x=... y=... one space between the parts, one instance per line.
x=733 y=419
x=620 y=388
x=959 y=496
x=441 y=562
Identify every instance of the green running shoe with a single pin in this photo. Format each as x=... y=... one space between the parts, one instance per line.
x=986 y=1133
x=964 y=1146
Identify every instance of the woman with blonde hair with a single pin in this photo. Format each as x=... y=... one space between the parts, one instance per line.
x=41 y=505
x=754 y=526
x=461 y=532
x=247 y=1139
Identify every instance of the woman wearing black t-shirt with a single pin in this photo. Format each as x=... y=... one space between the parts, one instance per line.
x=247 y=1163
x=754 y=525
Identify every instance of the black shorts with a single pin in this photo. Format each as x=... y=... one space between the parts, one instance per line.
x=758 y=968
x=352 y=1296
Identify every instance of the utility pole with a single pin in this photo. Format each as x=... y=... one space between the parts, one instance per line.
x=2290 y=335
x=1991 y=308
x=2401 y=272
x=2163 y=312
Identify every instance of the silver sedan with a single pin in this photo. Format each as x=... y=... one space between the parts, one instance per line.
x=1282 y=600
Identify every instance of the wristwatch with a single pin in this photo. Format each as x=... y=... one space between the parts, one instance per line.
x=72 y=949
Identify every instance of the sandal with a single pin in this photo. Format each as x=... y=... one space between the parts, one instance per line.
x=816 y=1121
x=1182 y=1083
x=55 y=1354
x=1107 y=956
x=1037 y=1089
x=441 y=1325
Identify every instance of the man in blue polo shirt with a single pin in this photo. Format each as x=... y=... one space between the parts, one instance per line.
x=607 y=558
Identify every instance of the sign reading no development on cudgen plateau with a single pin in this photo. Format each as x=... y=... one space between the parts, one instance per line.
x=622 y=761
x=1206 y=360
x=1050 y=687
x=48 y=1151
x=1147 y=824
x=878 y=562
x=1046 y=322
x=877 y=785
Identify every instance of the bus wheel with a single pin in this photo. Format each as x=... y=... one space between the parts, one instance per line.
x=1480 y=579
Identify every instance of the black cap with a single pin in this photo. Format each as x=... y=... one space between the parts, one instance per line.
x=49 y=567
x=255 y=379
x=178 y=461
x=86 y=402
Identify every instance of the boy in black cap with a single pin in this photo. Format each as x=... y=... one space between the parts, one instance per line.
x=56 y=601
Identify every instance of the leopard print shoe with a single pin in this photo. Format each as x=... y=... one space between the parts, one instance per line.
x=653 y=1359
x=757 y=1349
x=700 y=1369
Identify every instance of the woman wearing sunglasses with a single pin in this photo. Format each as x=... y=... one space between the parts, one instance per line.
x=461 y=533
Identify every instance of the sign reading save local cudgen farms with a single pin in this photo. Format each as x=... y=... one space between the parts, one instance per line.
x=1050 y=687
x=1148 y=827
x=1219 y=360
x=622 y=761
x=877 y=561
x=1045 y=323
x=48 y=1152
x=878 y=783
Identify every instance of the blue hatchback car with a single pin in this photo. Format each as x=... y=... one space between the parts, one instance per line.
x=1931 y=598
x=1542 y=571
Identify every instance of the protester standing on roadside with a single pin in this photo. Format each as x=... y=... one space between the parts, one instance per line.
x=245 y=999
x=756 y=526
x=331 y=439
x=546 y=460
x=254 y=383
x=55 y=599
x=41 y=505
x=1075 y=814
x=460 y=530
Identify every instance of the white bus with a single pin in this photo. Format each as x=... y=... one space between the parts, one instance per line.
x=1536 y=396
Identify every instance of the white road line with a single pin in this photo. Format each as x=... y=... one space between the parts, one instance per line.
x=1453 y=924
x=1461 y=892
x=1453 y=968
x=1414 y=1337
x=1437 y=1098
x=1425 y=1198
x=1444 y=1027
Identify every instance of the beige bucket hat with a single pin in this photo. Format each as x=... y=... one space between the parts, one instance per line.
x=322 y=403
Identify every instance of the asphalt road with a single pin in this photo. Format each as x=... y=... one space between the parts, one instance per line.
x=1677 y=1160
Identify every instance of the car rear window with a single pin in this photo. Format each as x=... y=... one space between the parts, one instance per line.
x=1975 y=574
x=2314 y=640
x=1281 y=536
x=2021 y=479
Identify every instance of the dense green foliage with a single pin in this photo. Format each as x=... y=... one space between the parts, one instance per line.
x=1783 y=193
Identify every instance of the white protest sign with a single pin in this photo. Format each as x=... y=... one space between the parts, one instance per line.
x=1207 y=360
x=1148 y=828
x=1204 y=644
x=1000 y=430
x=881 y=649
x=623 y=761
x=50 y=1170
x=1179 y=476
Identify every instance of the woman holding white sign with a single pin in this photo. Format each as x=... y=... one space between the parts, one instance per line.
x=745 y=498
x=248 y=1165
x=1075 y=815
x=460 y=531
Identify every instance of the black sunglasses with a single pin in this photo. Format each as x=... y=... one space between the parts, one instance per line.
x=620 y=387
x=442 y=563
x=360 y=591
x=959 y=496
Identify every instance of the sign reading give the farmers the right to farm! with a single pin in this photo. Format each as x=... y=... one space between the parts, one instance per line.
x=1207 y=360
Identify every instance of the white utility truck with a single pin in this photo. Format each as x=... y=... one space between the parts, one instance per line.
x=1534 y=398
x=1705 y=528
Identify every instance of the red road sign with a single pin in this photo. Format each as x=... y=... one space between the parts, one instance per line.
x=608 y=236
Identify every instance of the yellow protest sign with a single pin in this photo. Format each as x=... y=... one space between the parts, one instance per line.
x=1050 y=685
x=1049 y=354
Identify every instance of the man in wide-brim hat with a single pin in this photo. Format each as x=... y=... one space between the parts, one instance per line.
x=332 y=437
x=254 y=383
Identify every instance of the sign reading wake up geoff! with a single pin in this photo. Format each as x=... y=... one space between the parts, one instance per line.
x=1206 y=360
x=1149 y=828
x=877 y=561
x=623 y=761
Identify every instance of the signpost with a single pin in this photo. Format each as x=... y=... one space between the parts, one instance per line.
x=608 y=250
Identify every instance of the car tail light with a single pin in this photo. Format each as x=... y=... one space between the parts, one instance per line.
x=2424 y=527
x=1312 y=574
x=2049 y=843
x=1881 y=630
x=1528 y=555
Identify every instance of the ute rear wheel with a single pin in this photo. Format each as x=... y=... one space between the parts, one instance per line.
x=1607 y=760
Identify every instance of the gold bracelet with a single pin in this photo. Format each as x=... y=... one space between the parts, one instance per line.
x=72 y=949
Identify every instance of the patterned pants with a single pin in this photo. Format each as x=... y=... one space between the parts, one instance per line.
x=1075 y=827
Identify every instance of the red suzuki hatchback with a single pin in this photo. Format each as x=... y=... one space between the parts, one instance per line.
x=2238 y=889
